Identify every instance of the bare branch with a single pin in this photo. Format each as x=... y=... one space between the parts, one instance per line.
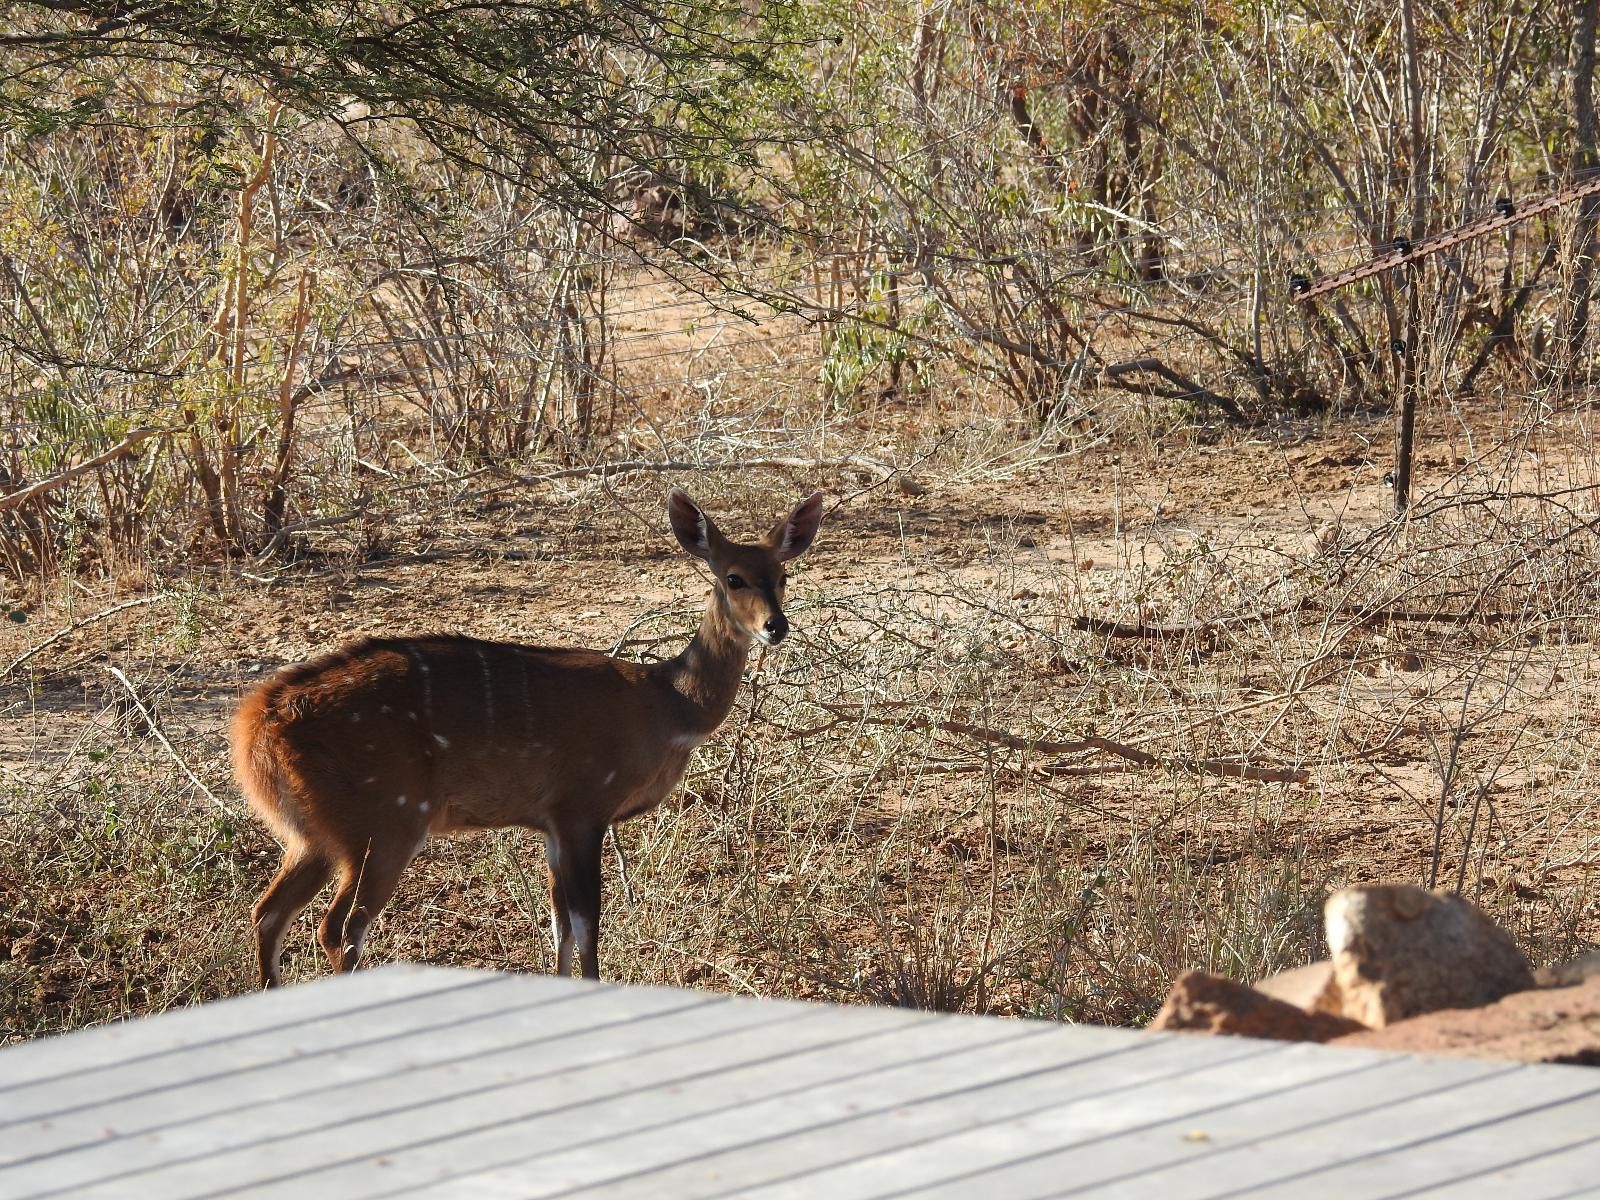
x=1230 y=768
x=34 y=490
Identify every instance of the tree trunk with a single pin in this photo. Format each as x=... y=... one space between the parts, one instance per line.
x=1580 y=93
x=1408 y=350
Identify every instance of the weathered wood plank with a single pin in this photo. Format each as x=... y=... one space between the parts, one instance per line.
x=655 y=1084
x=1295 y=1164
x=428 y=1083
x=776 y=1131
x=221 y=1079
x=308 y=1095
x=1458 y=1159
x=143 y=1076
x=367 y=1118
x=1135 y=1136
x=1560 y=1174
x=1095 y=1135
x=94 y=1049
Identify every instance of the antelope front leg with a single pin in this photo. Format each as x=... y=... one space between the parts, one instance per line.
x=560 y=916
x=560 y=933
x=575 y=900
x=586 y=905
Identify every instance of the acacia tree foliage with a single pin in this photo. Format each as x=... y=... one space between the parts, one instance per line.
x=542 y=90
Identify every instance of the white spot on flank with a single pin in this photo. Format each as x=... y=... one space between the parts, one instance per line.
x=610 y=775
x=423 y=807
x=412 y=715
x=370 y=746
x=355 y=718
x=401 y=799
x=427 y=686
x=385 y=708
x=370 y=779
x=443 y=741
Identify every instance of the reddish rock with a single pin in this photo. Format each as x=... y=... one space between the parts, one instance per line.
x=1311 y=987
x=1399 y=951
x=1202 y=1003
x=1548 y=1025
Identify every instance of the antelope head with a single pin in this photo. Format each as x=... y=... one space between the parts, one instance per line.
x=749 y=579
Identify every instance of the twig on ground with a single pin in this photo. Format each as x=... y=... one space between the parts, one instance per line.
x=150 y=723
x=74 y=627
x=1227 y=767
x=285 y=531
x=1206 y=629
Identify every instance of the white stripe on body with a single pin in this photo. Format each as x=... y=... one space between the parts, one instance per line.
x=427 y=686
x=488 y=692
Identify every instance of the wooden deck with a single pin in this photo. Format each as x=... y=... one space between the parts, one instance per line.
x=410 y=1081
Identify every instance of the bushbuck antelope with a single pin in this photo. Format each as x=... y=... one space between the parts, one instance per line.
x=353 y=759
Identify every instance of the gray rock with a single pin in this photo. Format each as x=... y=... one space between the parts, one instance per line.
x=1399 y=951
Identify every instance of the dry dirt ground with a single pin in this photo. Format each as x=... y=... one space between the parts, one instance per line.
x=831 y=841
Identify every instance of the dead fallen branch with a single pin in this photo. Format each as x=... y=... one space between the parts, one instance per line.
x=1205 y=630
x=74 y=627
x=1227 y=767
x=1139 y=629
x=1199 y=630
x=34 y=490
x=286 y=531
x=1184 y=387
x=609 y=470
x=1396 y=616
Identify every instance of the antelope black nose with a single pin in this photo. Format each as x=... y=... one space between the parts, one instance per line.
x=776 y=628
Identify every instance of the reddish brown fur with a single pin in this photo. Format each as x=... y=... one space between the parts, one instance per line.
x=354 y=759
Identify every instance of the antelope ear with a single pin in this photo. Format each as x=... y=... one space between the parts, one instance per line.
x=690 y=526
x=793 y=535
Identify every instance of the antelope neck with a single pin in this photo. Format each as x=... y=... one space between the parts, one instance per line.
x=708 y=672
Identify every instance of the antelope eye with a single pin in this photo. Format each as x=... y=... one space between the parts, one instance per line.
x=735 y=583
